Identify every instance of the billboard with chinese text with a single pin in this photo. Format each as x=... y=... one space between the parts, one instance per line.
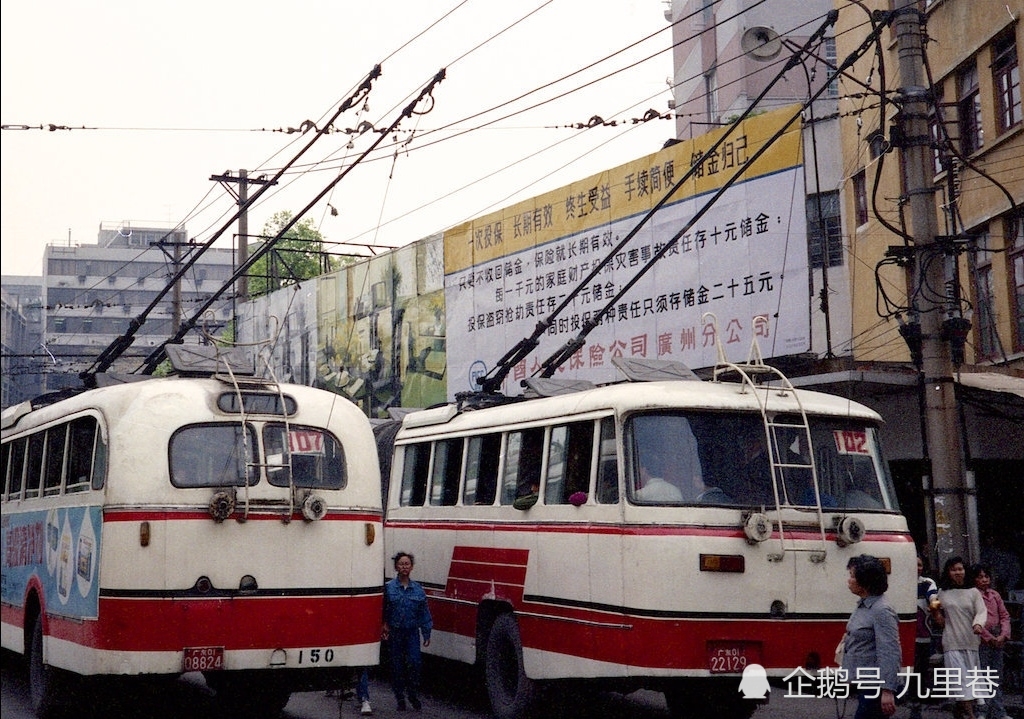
x=740 y=269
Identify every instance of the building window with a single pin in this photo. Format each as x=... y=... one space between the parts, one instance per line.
x=860 y=197
x=984 y=300
x=60 y=324
x=1015 y=257
x=1006 y=81
x=830 y=61
x=708 y=12
x=968 y=105
x=711 y=95
x=820 y=227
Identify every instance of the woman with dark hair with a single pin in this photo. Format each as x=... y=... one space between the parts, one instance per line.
x=872 y=642
x=406 y=618
x=961 y=614
x=994 y=634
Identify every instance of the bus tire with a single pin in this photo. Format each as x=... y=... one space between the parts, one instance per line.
x=508 y=687
x=44 y=681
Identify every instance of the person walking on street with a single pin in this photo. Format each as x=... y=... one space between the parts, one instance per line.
x=927 y=595
x=994 y=634
x=406 y=620
x=871 y=647
x=962 y=615
x=363 y=693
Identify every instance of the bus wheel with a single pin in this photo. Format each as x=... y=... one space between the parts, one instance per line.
x=509 y=689
x=43 y=680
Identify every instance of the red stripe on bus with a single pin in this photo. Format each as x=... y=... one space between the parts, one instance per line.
x=664 y=643
x=490 y=555
x=157 y=515
x=632 y=530
x=236 y=623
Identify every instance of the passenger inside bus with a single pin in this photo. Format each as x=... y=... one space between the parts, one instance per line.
x=654 y=488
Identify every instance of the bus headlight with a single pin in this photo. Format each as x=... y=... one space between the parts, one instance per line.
x=757 y=527
x=849 y=530
x=314 y=507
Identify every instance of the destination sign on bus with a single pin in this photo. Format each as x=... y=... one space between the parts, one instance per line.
x=305 y=441
x=850 y=441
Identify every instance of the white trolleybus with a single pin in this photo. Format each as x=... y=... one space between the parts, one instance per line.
x=206 y=522
x=646 y=534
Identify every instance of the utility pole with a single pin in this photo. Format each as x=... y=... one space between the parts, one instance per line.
x=945 y=484
x=242 y=198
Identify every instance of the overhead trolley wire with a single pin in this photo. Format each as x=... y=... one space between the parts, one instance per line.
x=159 y=353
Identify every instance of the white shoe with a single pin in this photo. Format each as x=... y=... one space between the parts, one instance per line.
x=366 y=708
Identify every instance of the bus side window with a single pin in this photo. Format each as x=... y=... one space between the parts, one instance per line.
x=608 y=465
x=34 y=464
x=569 y=463
x=523 y=458
x=82 y=443
x=482 y=455
x=5 y=468
x=17 y=472
x=444 y=476
x=53 y=472
x=415 y=468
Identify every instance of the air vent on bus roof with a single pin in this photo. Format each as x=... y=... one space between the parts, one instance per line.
x=207 y=360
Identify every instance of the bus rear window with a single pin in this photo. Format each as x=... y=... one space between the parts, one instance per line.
x=316 y=458
x=257 y=403
x=213 y=455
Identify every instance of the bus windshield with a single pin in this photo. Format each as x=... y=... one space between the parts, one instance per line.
x=723 y=459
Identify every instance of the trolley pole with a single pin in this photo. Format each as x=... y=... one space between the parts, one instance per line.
x=945 y=482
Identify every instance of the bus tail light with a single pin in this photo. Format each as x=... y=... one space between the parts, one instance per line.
x=722 y=563
x=370 y=533
x=144 y=534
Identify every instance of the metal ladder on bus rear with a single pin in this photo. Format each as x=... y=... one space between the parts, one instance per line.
x=274 y=385
x=755 y=376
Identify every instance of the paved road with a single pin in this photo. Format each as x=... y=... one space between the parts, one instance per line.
x=451 y=695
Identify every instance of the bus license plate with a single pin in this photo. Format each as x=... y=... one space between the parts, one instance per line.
x=732 y=657
x=203 y=659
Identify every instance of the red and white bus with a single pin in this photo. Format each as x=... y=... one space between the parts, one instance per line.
x=632 y=534
x=221 y=524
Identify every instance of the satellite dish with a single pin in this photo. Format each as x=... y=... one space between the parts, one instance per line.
x=761 y=43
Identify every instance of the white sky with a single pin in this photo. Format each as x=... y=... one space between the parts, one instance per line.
x=179 y=92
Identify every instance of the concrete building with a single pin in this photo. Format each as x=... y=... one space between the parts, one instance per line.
x=25 y=359
x=93 y=292
x=725 y=55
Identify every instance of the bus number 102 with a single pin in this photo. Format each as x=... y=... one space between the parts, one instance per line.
x=316 y=656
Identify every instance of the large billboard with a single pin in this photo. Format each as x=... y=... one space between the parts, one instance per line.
x=740 y=271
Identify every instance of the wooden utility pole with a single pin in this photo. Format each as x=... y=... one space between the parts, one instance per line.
x=945 y=485
x=242 y=197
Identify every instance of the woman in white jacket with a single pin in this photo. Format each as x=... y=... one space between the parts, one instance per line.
x=961 y=613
